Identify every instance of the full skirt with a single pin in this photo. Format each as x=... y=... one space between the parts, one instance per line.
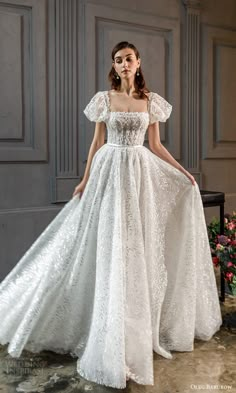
x=120 y=272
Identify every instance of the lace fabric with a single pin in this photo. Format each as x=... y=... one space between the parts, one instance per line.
x=122 y=270
x=99 y=109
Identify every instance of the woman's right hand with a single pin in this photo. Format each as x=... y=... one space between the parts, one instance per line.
x=80 y=188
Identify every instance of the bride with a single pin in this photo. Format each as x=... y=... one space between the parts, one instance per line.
x=125 y=268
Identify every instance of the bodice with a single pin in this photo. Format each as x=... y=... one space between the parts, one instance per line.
x=127 y=128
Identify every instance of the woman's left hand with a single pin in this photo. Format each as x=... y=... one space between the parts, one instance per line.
x=190 y=177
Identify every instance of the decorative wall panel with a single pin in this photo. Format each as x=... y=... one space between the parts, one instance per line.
x=218 y=93
x=23 y=104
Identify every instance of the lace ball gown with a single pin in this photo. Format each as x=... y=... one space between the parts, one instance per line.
x=122 y=270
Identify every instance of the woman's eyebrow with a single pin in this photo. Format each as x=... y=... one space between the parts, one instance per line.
x=119 y=57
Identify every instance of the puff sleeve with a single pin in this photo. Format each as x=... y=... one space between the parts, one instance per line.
x=96 y=109
x=159 y=108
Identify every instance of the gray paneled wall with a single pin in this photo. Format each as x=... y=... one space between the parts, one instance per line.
x=63 y=97
x=192 y=37
x=25 y=207
x=218 y=92
x=79 y=68
x=158 y=40
x=23 y=121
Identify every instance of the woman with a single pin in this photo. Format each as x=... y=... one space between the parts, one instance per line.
x=125 y=267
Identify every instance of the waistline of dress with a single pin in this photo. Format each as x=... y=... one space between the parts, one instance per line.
x=116 y=145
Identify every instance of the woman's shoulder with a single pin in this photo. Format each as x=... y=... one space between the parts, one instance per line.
x=112 y=91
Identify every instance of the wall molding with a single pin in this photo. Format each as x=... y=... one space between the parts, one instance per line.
x=218 y=118
x=63 y=36
x=23 y=117
x=192 y=68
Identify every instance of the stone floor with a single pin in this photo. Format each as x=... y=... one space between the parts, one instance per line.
x=210 y=367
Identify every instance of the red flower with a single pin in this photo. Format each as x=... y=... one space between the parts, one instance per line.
x=215 y=261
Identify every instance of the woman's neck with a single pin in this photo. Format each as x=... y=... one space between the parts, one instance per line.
x=127 y=87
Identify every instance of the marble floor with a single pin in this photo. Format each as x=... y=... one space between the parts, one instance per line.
x=210 y=367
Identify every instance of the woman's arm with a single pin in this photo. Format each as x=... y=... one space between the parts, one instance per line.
x=97 y=142
x=160 y=150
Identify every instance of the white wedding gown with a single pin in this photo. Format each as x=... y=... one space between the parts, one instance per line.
x=122 y=270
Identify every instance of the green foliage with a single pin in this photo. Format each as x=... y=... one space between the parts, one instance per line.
x=223 y=247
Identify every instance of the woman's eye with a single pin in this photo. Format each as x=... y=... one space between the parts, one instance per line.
x=128 y=59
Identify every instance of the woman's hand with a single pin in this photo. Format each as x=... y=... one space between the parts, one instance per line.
x=190 y=177
x=80 y=188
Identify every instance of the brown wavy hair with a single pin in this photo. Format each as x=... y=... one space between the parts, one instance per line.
x=139 y=82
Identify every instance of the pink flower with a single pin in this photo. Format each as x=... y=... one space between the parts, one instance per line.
x=229 y=276
x=231 y=226
x=230 y=264
x=219 y=247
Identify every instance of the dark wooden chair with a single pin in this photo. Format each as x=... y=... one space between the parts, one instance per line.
x=216 y=198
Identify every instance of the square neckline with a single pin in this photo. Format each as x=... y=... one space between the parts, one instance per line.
x=109 y=106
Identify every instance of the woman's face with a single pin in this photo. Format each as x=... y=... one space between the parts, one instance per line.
x=126 y=63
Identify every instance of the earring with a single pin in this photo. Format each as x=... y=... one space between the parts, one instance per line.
x=117 y=76
x=137 y=72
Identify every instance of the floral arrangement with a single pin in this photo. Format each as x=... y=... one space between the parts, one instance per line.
x=223 y=248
